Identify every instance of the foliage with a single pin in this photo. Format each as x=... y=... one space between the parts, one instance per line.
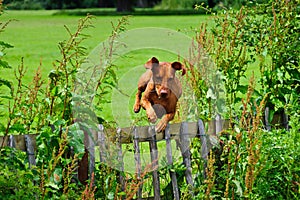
x=219 y=57
x=213 y=4
x=48 y=4
x=47 y=109
x=16 y=179
x=158 y=4
x=3 y=64
x=251 y=162
x=275 y=36
x=24 y=5
x=176 y=4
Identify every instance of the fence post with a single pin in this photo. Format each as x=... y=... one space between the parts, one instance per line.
x=137 y=159
x=91 y=150
x=204 y=148
x=120 y=160
x=83 y=164
x=219 y=126
x=170 y=162
x=11 y=141
x=185 y=151
x=267 y=123
x=30 y=150
x=285 y=120
x=101 y=142
x=154 y=159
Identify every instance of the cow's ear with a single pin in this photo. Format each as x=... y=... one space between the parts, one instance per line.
x=150 y=62
x=178 y=66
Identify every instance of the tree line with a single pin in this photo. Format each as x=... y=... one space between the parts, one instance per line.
x=120 y=5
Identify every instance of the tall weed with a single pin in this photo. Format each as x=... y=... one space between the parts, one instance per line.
x=254 y=163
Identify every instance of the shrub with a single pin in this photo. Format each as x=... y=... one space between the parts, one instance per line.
x=25 y=5
x=254 y=163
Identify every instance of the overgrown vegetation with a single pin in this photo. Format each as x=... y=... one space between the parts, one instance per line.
x=254 y=159
x=251 y=162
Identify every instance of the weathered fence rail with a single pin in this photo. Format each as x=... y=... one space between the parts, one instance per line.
x=181 y=132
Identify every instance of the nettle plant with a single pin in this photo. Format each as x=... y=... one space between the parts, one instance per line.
x=220 y=59
x=46 y=108
x=274 y=38
x=4 y=83
x=265 y=35
x=251 y=161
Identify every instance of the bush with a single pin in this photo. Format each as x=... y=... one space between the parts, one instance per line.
x=17 y=181
x=25 y=5
x=252 y=163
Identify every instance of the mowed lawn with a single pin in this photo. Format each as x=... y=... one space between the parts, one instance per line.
x=35 y=36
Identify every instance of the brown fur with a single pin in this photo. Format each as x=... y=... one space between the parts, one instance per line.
x=162 y=89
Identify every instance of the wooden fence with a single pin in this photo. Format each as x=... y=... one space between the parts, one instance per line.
x=181 y=132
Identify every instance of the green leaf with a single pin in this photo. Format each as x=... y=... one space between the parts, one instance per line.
x=76 y=138
x=122 y=193
x=52 y=185
x=54 y=91
x=5 y=45
x=265 y=52
x=110 y=195
x=239 y=189
x=4 y=64
x=19 y=128
x=242 y=88
x=210 y=94
x=271 y=115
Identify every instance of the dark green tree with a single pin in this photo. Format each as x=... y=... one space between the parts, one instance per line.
x=125 y=5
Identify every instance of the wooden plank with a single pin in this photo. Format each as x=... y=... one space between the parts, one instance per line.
x=203 y=137
x=204 y=147
x=101 y=143
x=126 y=136
x=154 y=160
x=267 y=123
x=219 y=124
x=83 y=168
x=137 y=159
x=127 y=133
x=170 y=162
x=285 y=120
x=30 y=149
x=11 y=141
x=91 y=150
x=120 y=162
x=83 y=165
x=185 y=152
x=19 y=141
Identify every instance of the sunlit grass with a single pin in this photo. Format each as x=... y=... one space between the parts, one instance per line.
x=35 y=36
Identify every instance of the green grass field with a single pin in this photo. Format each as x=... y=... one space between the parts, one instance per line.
x=35 y=36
